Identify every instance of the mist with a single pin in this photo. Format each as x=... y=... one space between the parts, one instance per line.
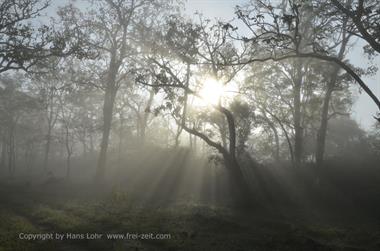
x=173 y=125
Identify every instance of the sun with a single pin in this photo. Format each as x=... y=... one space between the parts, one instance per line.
x=211 y=91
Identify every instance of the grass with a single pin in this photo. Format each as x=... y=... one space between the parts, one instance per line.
x=12 y=226
x=192 y=226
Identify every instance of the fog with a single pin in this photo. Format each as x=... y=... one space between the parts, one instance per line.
x=171 y=125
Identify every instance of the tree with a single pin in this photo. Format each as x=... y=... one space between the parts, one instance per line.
x=276 y=34
x=13 y=105
x=113 y=28
x=184 y=44
x=364 y=16
x=24 y=45
x=243 y=116
x=140 y=102
x=49 y=88
x=67 y=117
x=332 y=85
x=21 y=46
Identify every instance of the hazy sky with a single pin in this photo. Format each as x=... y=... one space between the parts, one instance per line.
x=364 y=108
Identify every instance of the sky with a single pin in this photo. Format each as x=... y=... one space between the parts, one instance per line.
x=363 y=109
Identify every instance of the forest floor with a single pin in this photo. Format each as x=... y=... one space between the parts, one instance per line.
x=191 y=226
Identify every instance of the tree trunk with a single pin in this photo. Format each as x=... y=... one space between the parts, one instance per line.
x=108 y=105
x=290 y=146
x=11 y=152
x=107 y=121
x=277 y=142
x=321 y=135
x=84 y=143
x=184 y=109
x=144 y=121
x=240 y=190
x=92 y=148
x=298 y=130
x=68 y=166
x=322 y=131
x=47 y=148
x=3 y=151
x=69 y=152
x=178 y=134
x=239 y=183
x=29 y=156
x=223 y=133
x=276 y=137
x=194 y=144
x=121 y=143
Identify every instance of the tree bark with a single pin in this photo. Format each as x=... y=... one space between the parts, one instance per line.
x=223 y=133
x=322 y=131
x=109 y=101
x=108 y=107
x=298 y=130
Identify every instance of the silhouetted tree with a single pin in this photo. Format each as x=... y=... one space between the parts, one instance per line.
x=277 y=34
x=111 y=27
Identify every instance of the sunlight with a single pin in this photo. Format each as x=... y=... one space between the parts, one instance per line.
x=211 y=91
